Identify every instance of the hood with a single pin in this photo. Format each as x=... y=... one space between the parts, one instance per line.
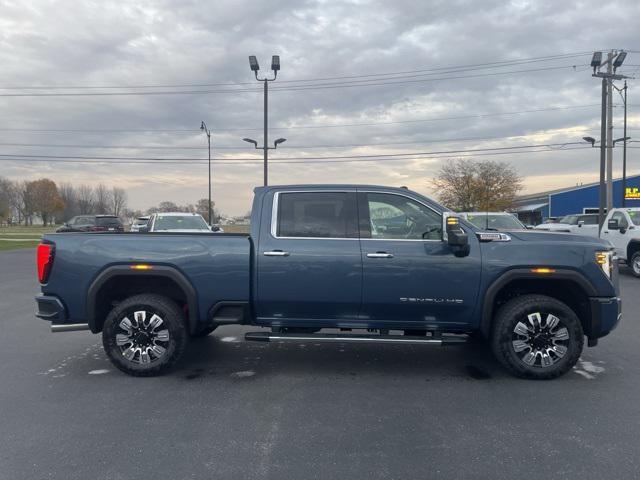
x=545 y=236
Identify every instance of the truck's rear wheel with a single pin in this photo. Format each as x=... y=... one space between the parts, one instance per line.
x=144 y=335
x=535 y=336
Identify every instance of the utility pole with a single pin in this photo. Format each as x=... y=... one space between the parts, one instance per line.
x=603 y=135
x=624 y=151
x=614 y=60
x=609 y=131
x=275 y=67
x=203 y=127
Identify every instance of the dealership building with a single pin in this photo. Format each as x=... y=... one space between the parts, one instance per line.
x=535 y=208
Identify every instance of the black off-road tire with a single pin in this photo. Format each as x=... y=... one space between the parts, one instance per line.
x=172 y=321
x=517 y=310
x=204 y=332
x=635 y=264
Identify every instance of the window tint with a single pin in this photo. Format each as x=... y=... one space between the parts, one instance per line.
x=317 y=214
x=398 y=217
x=85 y=221
x=589 y=219
x=569 y=219
x=108 y=221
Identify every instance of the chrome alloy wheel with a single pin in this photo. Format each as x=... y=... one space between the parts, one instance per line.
x=538 y=342
x=144 y=340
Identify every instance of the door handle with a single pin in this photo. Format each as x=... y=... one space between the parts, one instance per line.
x=276 y=253
x=380 y=255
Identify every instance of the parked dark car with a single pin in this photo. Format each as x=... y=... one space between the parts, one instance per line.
x=92 y=223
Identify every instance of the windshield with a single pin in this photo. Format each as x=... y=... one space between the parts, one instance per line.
x=635 y=216
x=495 y=222
x=176 y=222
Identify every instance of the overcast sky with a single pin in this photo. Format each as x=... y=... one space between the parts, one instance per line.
x=419 y=82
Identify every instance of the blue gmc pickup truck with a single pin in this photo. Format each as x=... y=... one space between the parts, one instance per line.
x=367 y=263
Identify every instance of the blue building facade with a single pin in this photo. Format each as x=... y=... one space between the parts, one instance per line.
x=535 y=208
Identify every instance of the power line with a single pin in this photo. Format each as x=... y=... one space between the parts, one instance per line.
x=289 y=147
x=382 y=155
x=318 y=86
x=435 y=70
x=303 y=162
x=296 y=127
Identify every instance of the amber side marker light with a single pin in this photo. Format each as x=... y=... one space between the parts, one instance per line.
x=542 y=270
x=601 y=258
x=141 y=266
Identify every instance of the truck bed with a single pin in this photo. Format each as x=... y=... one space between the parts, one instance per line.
x=216 y=265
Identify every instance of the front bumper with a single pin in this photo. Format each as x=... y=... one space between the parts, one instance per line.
x=605 y=315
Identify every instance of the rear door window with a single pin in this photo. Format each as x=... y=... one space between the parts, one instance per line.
x=317 y=215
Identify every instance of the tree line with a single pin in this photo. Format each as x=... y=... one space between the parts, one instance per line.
x=22 y=202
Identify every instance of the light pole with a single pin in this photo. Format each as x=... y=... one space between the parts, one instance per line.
x=265 y=148
x=203 y=127
x=275 y=66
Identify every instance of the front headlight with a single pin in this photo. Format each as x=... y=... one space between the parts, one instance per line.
x=605 y=260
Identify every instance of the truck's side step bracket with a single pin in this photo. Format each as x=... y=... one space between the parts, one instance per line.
x=350 y=338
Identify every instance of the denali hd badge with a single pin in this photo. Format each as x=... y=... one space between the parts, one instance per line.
x=431 y=300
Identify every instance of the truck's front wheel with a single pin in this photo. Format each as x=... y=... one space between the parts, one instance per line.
x=535 y=336
x=144 y=335
x=635 y=264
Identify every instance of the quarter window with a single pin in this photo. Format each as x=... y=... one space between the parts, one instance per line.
x=317 y=215
x=398 y=217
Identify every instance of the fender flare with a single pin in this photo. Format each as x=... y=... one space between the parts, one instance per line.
x=157 y=271
x=632 y=247
x=526 y=274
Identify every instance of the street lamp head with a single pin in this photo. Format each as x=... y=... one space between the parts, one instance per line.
x=249 y=140
x=279 y=141
x=202 y=126
x=621 y=139
x=253 y=64
x=591 y=140
x=275 y=63
x=619 y=59
x=596 y=60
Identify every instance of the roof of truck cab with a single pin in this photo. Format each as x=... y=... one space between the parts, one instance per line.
x=331 y=185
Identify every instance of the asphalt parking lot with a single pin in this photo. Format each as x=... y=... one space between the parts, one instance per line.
x=246 y=410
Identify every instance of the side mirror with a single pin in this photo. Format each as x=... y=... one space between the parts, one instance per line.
x=580 y=223
x=612 y=224
x=457 y=239
x=143 y=229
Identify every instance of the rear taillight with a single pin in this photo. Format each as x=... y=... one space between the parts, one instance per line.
x=44 y=259
x=99 y=229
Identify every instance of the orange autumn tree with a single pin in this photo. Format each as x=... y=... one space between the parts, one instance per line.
x=44 y=198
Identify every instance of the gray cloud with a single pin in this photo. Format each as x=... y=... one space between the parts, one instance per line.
x=93 y=43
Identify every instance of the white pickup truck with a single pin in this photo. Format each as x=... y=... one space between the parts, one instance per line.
x=580 y=224
x=622 y=229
